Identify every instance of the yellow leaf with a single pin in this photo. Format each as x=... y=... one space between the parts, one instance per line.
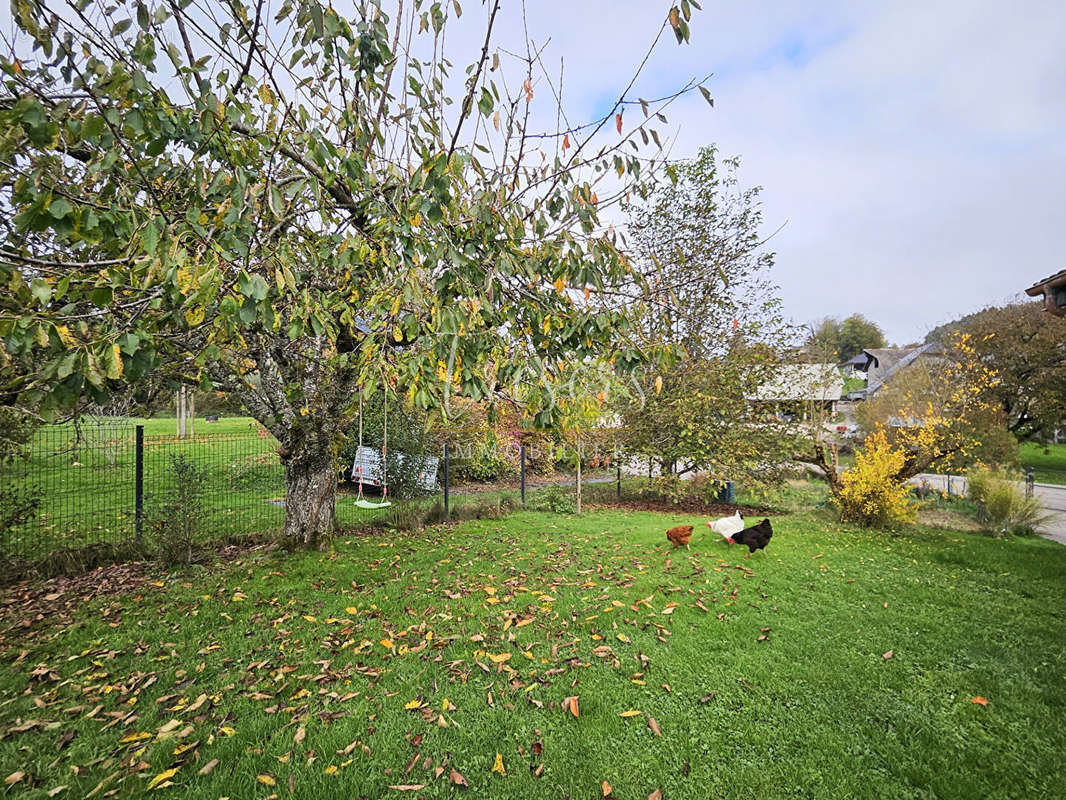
x=135 y=737
x=163 y=776
x=351 y=610
x=497 y=765
x=658 y=383
x=266 y=779
x=447 y=705
x=194 y=316
x=499 y=658
x=331 y=769
x=630 y=713
x=386 y=643
x=227 y=730
x=623 y=638
x=412 y=705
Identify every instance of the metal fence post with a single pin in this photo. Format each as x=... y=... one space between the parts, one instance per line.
x=446 y=476
x=138 y=482
x=522 y=456
x=618 y=479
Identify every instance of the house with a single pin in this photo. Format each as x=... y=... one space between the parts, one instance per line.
x=883 y=362
x=1053 y=290
x=795 y=387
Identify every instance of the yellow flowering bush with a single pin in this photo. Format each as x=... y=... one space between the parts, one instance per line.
x=870 y=492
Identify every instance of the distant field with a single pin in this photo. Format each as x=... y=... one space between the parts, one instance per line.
x=1048 y=461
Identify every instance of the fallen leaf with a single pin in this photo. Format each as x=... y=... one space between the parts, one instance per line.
x=605 y=788
x=162 y=777
x=57 y=790
x=456 y=778
x=300 y=735
x=654 y=726
x=14 y=777
x=630 y=713
x=408 y=787
x=497 y=765
x=656 y=795
x=499 y=658
x=981 y=701
x=570 y=704
x=209 y=767
x=266 y=779
x=888 y=655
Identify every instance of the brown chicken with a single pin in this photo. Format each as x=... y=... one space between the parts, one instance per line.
x=680 y=536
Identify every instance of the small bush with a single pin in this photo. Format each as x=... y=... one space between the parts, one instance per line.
x=1001 y=502
x=175 y=523
x=554 y=499
x=869 y=492
x=666 y=487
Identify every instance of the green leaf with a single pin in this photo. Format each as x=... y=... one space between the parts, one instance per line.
x=41 y=291
x=60 y=208
x=486 y=102
x=707 y=96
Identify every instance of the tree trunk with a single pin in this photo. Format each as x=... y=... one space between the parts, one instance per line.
x=310 y=496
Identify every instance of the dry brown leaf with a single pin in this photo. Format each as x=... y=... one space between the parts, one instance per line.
x=888 y=655
x=408 y=787
x=300 y=735
x=605 y=788
x=654 y=726
x=456 y=778
x=14 y=777
x=656 y=795
x=209 y=767
x=981 y=701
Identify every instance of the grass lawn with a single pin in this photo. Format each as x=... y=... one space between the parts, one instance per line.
x=839 y=663
x=1050 y=466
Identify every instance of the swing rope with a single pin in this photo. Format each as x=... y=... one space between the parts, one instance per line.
x=360 y=500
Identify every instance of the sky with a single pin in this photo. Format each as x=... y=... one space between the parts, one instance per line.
x=913 y=151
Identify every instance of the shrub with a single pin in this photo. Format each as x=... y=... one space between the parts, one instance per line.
x=553 y=498
x=175 y=523
x=869 y=492
x=1001 y=502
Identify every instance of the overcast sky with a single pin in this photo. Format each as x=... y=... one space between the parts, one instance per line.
x=915 y=151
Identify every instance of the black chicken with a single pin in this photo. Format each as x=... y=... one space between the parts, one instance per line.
x=756 y=537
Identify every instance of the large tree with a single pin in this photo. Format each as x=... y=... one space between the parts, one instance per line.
x=291 y=205
x=1027 y=347
x=699 y=240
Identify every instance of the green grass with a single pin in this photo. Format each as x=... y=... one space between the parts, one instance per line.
x=275 y=665
x=1048 y=461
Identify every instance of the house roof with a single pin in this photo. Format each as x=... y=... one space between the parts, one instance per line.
x=886 y=357
x=900 y=362
x=819 y=382
x=1050 y=288
x=1049 y=282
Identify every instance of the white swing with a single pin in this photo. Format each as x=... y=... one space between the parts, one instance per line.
x=362 y=502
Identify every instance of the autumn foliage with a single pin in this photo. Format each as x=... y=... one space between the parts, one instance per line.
x=870 y=493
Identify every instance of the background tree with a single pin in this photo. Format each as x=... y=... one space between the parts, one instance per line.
x=843 y=339
x=698 y=242
x=857 y=334
x=286 y=204
x=1027 y=347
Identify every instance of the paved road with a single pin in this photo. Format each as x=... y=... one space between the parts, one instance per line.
x=1052 y=497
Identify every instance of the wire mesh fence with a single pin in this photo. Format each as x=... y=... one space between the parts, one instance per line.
x=109 y=488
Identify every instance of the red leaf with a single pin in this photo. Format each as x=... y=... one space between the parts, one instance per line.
x=618 y=121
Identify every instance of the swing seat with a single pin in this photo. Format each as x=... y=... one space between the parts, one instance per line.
x=361 y=503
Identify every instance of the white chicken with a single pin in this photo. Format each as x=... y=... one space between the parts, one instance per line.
x=727 y=526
